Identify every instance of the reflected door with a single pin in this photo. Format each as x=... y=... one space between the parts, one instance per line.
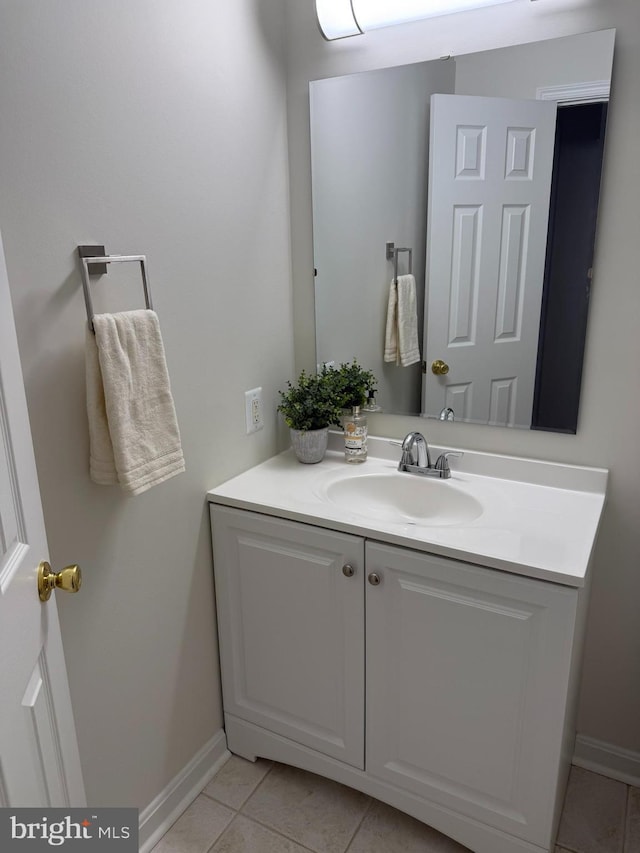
x=490 y=166
x=39 y=761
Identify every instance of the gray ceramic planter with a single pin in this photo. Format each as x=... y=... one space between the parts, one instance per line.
x=310 y=445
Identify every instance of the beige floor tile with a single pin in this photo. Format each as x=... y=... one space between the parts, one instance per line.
x=593 y=815
x=243 y=835
x=632 y=834
x=196 y=829
x=386 y=830
x=311 y=810
x=237 y=780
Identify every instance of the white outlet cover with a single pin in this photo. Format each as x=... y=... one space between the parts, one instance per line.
x=253 y=410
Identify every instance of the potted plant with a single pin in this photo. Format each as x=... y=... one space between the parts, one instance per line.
x=352 y=384
x=309 y=408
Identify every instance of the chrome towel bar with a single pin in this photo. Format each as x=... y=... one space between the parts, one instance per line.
x=94 y=262
x=392 y=255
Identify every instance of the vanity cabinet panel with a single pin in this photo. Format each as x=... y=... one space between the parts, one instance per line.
x=467 y=678
x=291 y=628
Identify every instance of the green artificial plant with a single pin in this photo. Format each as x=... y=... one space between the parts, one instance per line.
x=312 y=403
x=352 y=384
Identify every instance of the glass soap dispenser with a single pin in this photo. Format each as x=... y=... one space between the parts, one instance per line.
x=371 y=404
x=355 y=436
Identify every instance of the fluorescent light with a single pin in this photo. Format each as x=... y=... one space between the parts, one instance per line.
x=336 y=19
x=341 y=18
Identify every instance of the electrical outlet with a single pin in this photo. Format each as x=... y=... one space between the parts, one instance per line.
x=253 y=410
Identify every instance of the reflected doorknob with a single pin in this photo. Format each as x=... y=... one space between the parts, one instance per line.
x=439 y=367
x=68 y=580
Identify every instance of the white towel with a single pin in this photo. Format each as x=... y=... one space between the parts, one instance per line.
x=133 y=431
x=401 y=343
x=391 y=329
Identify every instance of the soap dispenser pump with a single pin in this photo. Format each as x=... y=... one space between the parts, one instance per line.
x=371 y=405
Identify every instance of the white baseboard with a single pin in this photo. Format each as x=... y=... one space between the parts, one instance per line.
x=607 y=759
x=160 y=814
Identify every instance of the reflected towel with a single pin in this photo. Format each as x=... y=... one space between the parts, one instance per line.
x=133 y=431
x=401 y=343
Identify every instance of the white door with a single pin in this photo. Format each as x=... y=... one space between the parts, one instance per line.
x=490 y=166
x=291 y=622
x=467 y=673
x=39 y=761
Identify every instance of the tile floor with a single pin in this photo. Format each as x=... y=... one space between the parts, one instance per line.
x=272 y=808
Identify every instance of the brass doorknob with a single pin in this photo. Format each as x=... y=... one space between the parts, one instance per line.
x=68 y=580
x=439 y=367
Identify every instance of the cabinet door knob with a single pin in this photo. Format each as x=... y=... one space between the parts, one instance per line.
x=374 y=579
x=348 y=571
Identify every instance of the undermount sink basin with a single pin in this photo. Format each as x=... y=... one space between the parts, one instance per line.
x=404 y=498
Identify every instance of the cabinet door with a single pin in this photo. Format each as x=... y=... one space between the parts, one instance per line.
x=467 y=674
x=291 y=627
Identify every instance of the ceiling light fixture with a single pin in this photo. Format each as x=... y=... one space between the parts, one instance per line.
x=344 y=18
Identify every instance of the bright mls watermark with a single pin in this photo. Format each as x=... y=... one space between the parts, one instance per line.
x=107 y=830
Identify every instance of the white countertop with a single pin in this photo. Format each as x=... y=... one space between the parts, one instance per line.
x=538 y=519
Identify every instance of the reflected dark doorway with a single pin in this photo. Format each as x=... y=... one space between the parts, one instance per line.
x=575 y=190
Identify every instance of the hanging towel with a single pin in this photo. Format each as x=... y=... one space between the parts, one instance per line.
x=133 y=431
x=401 y=335
x=391 y=329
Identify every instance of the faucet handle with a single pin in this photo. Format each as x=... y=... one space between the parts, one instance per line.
x=404 y=460
x=442 y=462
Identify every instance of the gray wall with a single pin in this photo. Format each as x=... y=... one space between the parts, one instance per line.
x=610 y=408
x=518 y=72
x=160 y=128
x=363 y=198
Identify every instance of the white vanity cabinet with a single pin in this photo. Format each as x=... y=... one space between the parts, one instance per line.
x=290 y=610
x=467 y=673
x=438 y=686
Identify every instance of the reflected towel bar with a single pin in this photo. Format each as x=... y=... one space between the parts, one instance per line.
x=91 y=257
x=392 y=255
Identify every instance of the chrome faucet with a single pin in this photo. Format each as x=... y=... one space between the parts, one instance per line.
x=416 y=458
x=415 y=454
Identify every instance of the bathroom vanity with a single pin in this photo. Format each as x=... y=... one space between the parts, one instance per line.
x=419 y=641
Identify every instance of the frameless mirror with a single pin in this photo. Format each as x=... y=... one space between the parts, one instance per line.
x=487 y=167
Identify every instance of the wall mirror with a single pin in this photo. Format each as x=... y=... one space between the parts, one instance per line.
x=487 y=166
